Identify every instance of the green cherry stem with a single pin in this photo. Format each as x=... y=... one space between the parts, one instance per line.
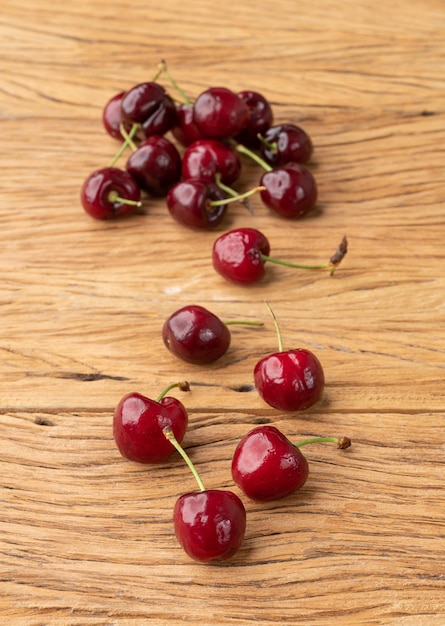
x=243 y=323
x=183 y=386
x=243 y=150
x=238 y=197
x=128 y=141
x=267 y=144
x=332 y=265
x=168 y=434
x=342 y=442
x=231 y=192
x=174 y=84
x=113 y=197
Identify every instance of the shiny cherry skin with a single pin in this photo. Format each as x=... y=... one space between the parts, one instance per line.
x=260 y=119
x=196 y=335
x=189 y=202
x=205 y=158
x=149 y=104
x=111 y=116
x=219 y=113
x=138 y=423
x=155 y=165
x=290 y=143
x=185 y=130
x=291 y=190
x=102 y=193
x=237 y=255
x=267 y=466
x=210 y=525
x=291 y=380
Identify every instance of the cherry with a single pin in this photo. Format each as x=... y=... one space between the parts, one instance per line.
x=290 y=190
x=260 y=119
x=185 y=131
x=201 y=205
x=289 y=380
x=196 y=335
x=284 y=143
x=267 y=466
x=111 y=116
x=209 y=524
x=149 y=105
x=219 y=113
x=110 y=192
x=155 y=165
x=139 y=421
x=204 y=158
x=240 y=256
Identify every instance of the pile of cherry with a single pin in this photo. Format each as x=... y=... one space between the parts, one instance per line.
x=212 y=133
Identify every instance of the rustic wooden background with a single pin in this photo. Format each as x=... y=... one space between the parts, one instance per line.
x=87 y=537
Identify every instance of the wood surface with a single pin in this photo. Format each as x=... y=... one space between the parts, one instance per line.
x=87 y=537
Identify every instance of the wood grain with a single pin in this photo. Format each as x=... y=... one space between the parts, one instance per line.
x=86 y=537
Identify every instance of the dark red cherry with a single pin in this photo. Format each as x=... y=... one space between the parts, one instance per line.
x=196 y=335
x=290 y=380
x=111 y=116
x=155 y=165
x=190 y=202
x=209 y=525
x=285 y=143
x=139 y=422
x=267 y=466
x=237 y=255
x=219 y=113
x=109 y=193
x=205 y=158
x=149 y=104
x=185 y=130
x=260 y=119
x=290 y=190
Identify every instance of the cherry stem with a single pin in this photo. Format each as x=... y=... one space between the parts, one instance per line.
x=333 y=264
x=163 y=66
x=168 y=434
x=231 y=192
x=243 y=323
x=277 y=328
x=113 y=197
x=128 y=141
x=183 y=386
x=342 y=442
x=241 y=196
x=270 y=145
x=240 y=148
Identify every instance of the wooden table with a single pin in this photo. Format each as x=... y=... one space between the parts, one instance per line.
x=87 y=537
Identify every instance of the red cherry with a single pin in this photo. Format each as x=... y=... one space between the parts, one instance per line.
x=285 y=143
x=185 y=130
x=267 y=466
x=240 y=254
x=260 y=119
x=149 y=104
x=155 y=165
x=109 y=193
x=219 y=113
x=139 y=422
x=196 y=335
x=290 y=190
x=289 y=380
x=191 y=203
x=210 y=524
x=205 y=158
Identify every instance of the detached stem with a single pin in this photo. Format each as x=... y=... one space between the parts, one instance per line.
x=168 y=433
x=342 y=442
x=183 y=386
